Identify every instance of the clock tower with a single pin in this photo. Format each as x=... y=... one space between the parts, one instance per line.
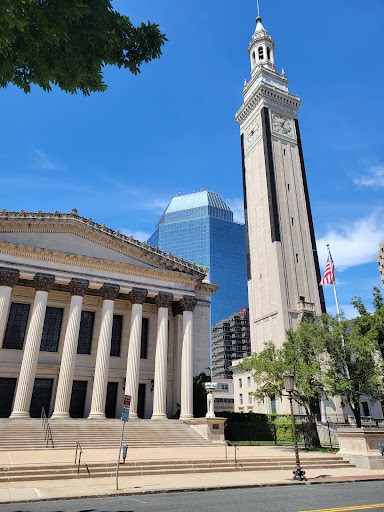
x=282 y=261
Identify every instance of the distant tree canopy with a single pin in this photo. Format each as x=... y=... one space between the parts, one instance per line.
x=68 y=42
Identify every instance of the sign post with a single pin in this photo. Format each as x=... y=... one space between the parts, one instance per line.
x=124 y=419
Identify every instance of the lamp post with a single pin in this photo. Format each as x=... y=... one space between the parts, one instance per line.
x=210 y=387
x=289 y=385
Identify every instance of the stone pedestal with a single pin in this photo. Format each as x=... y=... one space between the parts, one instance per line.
x=360 y=446
x=211 y=429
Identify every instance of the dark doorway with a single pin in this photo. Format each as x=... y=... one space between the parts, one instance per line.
x=7 y=391
x=79 y=391
x=110 y=402
x=141 y=401
x=41 y=397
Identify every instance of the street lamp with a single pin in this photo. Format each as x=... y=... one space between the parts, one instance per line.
x=289 y=384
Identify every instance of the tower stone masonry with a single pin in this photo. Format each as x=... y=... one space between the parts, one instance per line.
x=282 y=262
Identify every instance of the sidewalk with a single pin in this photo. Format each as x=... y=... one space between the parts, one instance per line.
x=96 y=487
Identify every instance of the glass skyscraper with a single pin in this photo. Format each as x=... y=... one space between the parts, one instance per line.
x=199 y=227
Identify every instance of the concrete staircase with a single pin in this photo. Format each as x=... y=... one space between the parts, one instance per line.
x=161 y=467
x=28 y=434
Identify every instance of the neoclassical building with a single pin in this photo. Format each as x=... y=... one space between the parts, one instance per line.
x=88 y=314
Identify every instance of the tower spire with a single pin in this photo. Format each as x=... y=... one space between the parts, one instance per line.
x=258 y=9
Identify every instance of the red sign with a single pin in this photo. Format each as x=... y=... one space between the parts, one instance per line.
x=127 y=401
x=243 y=311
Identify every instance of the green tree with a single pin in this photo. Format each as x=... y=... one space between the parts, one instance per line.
x=302 y=354
x=199 y=394
x=354 y=363
x=68 y=42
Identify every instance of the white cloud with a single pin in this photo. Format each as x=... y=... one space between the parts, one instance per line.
x=237 y=206
x=373 y=178
x=353 y=244
x=137 y=235
x=41 y=161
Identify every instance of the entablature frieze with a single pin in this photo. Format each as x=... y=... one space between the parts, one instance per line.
x=270 y=96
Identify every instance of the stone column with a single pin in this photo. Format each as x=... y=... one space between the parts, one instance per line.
x=8 y=279
x=187 y=304
x=178 y=337
x=77 y=288
x=109 y=293
x=43 y=284
x=163 y=300
x=137 y=297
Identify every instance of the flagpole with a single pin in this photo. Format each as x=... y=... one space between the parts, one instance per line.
x=333 y=281
x=337 y=303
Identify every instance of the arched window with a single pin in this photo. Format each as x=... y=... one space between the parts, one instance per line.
x=261 y=53
x=253 y=57
x=268 y=53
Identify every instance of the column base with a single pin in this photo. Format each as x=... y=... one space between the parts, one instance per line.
x=186 y=417
x=97 y=416
x=158 y=416
x=133 y=416
x=22 y=415
x=59 y=415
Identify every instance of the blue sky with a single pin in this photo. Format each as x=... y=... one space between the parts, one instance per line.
x=120 y=156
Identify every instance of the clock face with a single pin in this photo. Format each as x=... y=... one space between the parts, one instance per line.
x=282 y=125
x=252 y=132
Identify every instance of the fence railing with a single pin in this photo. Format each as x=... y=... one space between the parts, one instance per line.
x=47 y=429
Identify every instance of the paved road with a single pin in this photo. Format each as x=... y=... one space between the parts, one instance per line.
x=338 y=497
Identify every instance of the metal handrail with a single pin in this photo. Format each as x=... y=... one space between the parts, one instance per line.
x=78 y=447
x=235 y=447
x=46 y=428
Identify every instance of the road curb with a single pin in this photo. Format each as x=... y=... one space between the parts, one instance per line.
x=199 y=489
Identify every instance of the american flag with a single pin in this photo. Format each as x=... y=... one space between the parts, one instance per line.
x=329 y=273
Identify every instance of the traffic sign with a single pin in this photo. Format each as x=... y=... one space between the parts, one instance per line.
x=127 y=401
x=125 y=414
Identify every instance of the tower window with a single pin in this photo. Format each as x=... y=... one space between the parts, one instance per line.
x=261 y=53
x=288 y=187
x=297 y=258
x=292 y=221
x=253 y=56
x=284 y=154
x=268 y=53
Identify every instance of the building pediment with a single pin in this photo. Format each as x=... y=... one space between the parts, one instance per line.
x=73 y=234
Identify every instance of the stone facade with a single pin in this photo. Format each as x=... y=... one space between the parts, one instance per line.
x=57 y=272
x=380 y=261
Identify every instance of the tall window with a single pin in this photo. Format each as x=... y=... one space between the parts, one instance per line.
x=117 y=328
x=268 y=53
x=241 y=398
x=261 y=53
x=249 y=398
x=51 y=330
x=85 y=333
x=144 y=338
x=16 y=326
x=240 y=383
x=249 y=380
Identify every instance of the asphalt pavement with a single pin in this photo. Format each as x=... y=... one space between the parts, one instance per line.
x=301 y=498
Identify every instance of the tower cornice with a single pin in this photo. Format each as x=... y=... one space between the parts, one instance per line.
x=270 y=96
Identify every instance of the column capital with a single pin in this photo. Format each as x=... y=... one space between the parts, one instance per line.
x=177 y=309
x=78 y=287
x=138 y=295
x=110 y=291
x=43 y=282
x=163 y=299
x=8 y=276
x=188 y=303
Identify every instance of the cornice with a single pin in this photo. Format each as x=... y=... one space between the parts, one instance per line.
x=98 y=233
x=37 y=253
x=271 y=95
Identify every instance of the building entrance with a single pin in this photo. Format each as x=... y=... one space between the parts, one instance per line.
x=110 y=402
x=79 y=391
x=141 y=401
x=7 y=392
x=41 y=397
